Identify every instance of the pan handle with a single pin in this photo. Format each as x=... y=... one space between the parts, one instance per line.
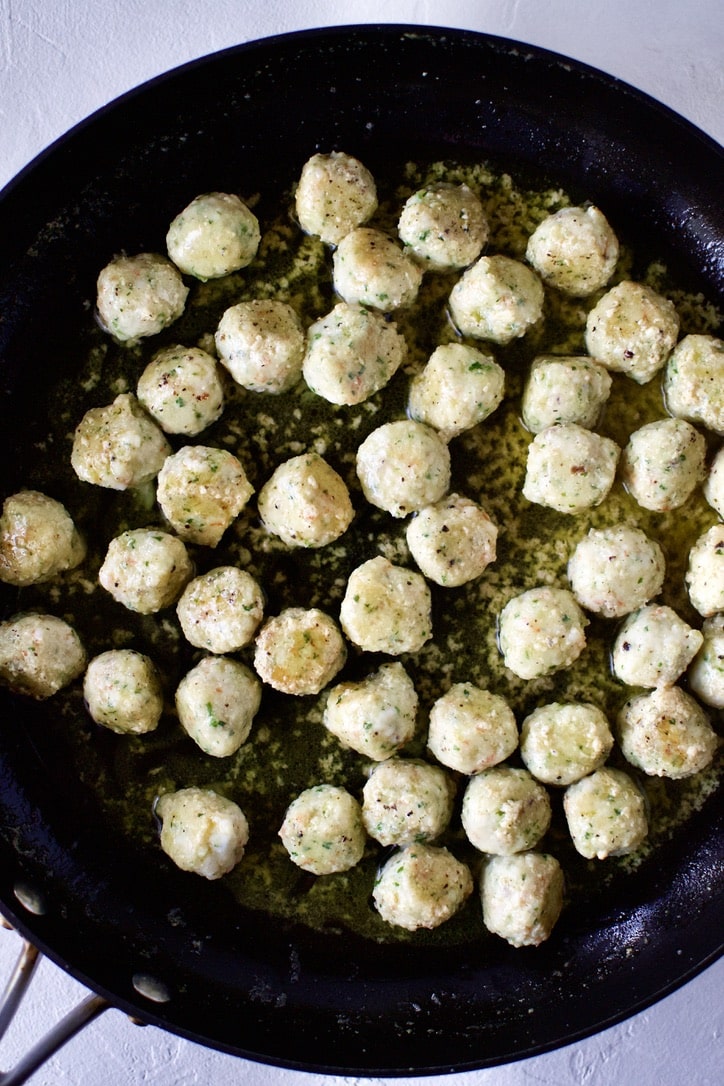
x=73 y=1022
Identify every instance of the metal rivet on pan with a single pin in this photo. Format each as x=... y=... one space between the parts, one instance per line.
x=30 y=899
x=150 y=988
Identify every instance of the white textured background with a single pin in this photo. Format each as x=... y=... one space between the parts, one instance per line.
x=62 y=59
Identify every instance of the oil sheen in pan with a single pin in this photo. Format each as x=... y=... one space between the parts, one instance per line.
x=289 y=749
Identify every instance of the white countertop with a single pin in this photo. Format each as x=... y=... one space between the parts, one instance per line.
x=61 y=61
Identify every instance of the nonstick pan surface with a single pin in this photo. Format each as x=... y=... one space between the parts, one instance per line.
x=159 y=944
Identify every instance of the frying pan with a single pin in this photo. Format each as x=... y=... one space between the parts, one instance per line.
x=178 y=952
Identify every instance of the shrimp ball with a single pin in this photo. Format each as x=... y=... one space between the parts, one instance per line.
x=202 y=832
x=614 y=571
x=574 y=250
x=705 y=572
x=38 y=539
x=560 y=743
x=444 y=226
x=713 y=488
x=471 y=729
x=139 y=296
x=214 y=235
x=261 y=343
x=569 y=468
x=145 y=570
x=632 y=330
x=370 y=268
x=335 y=193
x=406 y=802
x=201 y=491
x=421 y=886
x=220 y=610
x=216 y=704
x=323 y=831
x=666 y=733
x=606 y=814
x=299 y=651
x=694 y=381
x=541 y=631
x=375 y=717
x=181 y=390
x=39 y=655
x=706 y=674
x=403 y=466
x=118 y=446
x=453 y=541
x=352 y=352
x=505 y=811
x=122 y=692
x=662 y=464
x=654 y=647
x=386 y=608
x=497 y=299
x=564 y=389
x=458 y=388
x=305 y=502
x=522 y=897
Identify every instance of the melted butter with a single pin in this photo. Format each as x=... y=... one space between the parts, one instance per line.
x=289 y=749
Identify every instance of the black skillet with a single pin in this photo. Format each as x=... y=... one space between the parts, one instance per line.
x=245 y=120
